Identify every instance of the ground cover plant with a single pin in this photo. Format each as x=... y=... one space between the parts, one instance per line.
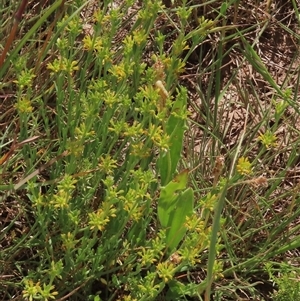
x=149 y=150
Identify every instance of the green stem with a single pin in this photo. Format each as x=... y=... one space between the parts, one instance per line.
x=214 y=240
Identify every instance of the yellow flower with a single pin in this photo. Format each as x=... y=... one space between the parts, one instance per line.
x=23 y=105
x=244 y=166
x=118 y=71
x=25 y=78
x=268 y=139
x=63 y=64
x=90 y=44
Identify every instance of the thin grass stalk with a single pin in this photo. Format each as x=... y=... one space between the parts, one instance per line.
x=214 y=240
x=31 y=32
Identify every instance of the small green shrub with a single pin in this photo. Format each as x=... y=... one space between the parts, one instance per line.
x=109 y=131
x=288 y=285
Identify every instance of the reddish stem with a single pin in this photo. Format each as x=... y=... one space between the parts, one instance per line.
x=20 y=11
x=18 y=17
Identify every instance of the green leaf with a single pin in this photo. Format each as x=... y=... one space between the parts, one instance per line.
x=175 y=128
x=223 y=9
x=174 y=206
x=168 y=197
x=183 y=209
x=178 y=289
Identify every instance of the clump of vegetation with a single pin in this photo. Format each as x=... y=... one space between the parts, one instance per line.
x=288 y=284
x=138 y=161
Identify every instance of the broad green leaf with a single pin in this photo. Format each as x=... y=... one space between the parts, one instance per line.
x=175 y=128
x=168 y=197
x=183 y=209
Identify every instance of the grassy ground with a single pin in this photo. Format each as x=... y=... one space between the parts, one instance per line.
x=149 y=150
